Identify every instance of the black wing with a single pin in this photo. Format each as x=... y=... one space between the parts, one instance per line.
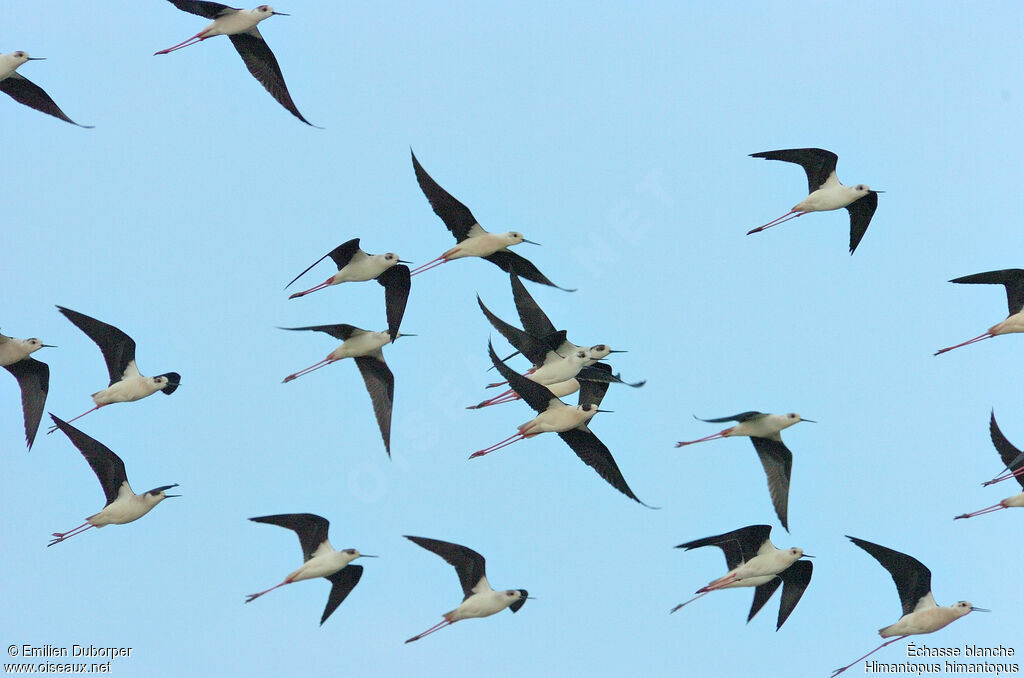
x=262 y=63
x=796 y=577
x=510 y=262
x=342 y=583
x=817 y=162
x=34 y=380
x=861 y=211
x=397 y=282
x=592 y=391
x=777 y=461
x=380 y=384
x=741 y=417
x=597 y=372
x=1011 y=278
x=1012 y=458
x=533 y=394
x=107 y=466
x=469 y=564
x=340 y=331
x=117 y=347
x=596 y=455
x=534 y=320
x=24 y=91
x=210 y=10
x=913 y=580
x=453 y=213
x=341 y=255
x=762 y=594
x=738 y=546
x=311 y=528
x=534 y=348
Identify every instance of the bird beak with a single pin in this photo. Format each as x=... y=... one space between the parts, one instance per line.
x=168 y=496
x=366 y=555
x=531 y=242
x=878 y=191
x=403 y=334
x=47 y=346
x=403 y=261
x=609 y=411
x=809 y=421
x=618 y=351
x=37 y=59
x=979 y=609
x=807 y=556
x=280 y=14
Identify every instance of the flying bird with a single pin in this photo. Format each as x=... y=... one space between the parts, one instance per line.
x=741 y=548
x=1013 y=459
x=24 y=91
x=33 y=378
x=1013 y=280
x=570 y=423
x=473 y=240
x=123 y=505
x=126 y=383
x=240 y=27
x=479 y=599
x=764 y=431
x=826 y=193
x=914 y=584
x=319 y=558
x=364 y=347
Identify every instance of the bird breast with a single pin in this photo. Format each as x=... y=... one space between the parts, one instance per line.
x=922 y=621
x=829 y=198
x=322 y=565
x=555 y=420
x=234 y=23
x=766 y=564
x=482 y=604
x=362 y=268
x=360 y=345
x=126 y=508
x=127 y=390
x=481 y=245
x=767 y=426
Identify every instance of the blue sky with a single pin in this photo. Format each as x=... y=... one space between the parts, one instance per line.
x=617 y=136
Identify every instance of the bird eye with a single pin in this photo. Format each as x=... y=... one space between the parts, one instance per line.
x=792 y=416
x=510 y=593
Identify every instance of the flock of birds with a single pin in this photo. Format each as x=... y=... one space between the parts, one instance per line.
x=559 y=369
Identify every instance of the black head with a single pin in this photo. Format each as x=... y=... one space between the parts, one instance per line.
x=173 y=381
x=519 y=603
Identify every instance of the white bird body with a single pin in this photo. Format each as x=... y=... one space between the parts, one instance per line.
x=561 y=389
x=768 y=562
x=557 y=418
x=557 y=368
x=360 y=345
x=240 y=21
x=831 y=196
x=769 y=426
x=926 y=618
x=484 y=602
x=481 y=243
x=132 y=387
x=1015 y=323
x=364 y=267
x=126 y=508
x=325 y=562
x=15 y=350
x=10 y=63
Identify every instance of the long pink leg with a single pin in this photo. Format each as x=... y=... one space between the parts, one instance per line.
x=429 y=265
x=61 y=536
x=969 y=341
x=494 y=401
x=498 y=445
x=1006 y=476
x=198 y=37
x=792 y=214
x=54 y=427
x=990 y=509
x=716 y=436
x=721 y=582
x=888 y=642
x=313 y=289
x=317 y=366
x=688 y=602
x=253 y=596
x=432 y=629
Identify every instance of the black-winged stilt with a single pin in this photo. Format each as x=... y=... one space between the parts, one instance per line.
x=763 y=430
x=826 y=193
x=1013 y=280
x=1013 y=460
x=319 y=558
x=741 y=547
x=33 y=378
x=126 y=383
x=364 y=347
x=123 y=505
x=473 y=240
x=479 y=599
x=240 y=27
x=24 y=91
x=570 y=423
x=914 y=584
